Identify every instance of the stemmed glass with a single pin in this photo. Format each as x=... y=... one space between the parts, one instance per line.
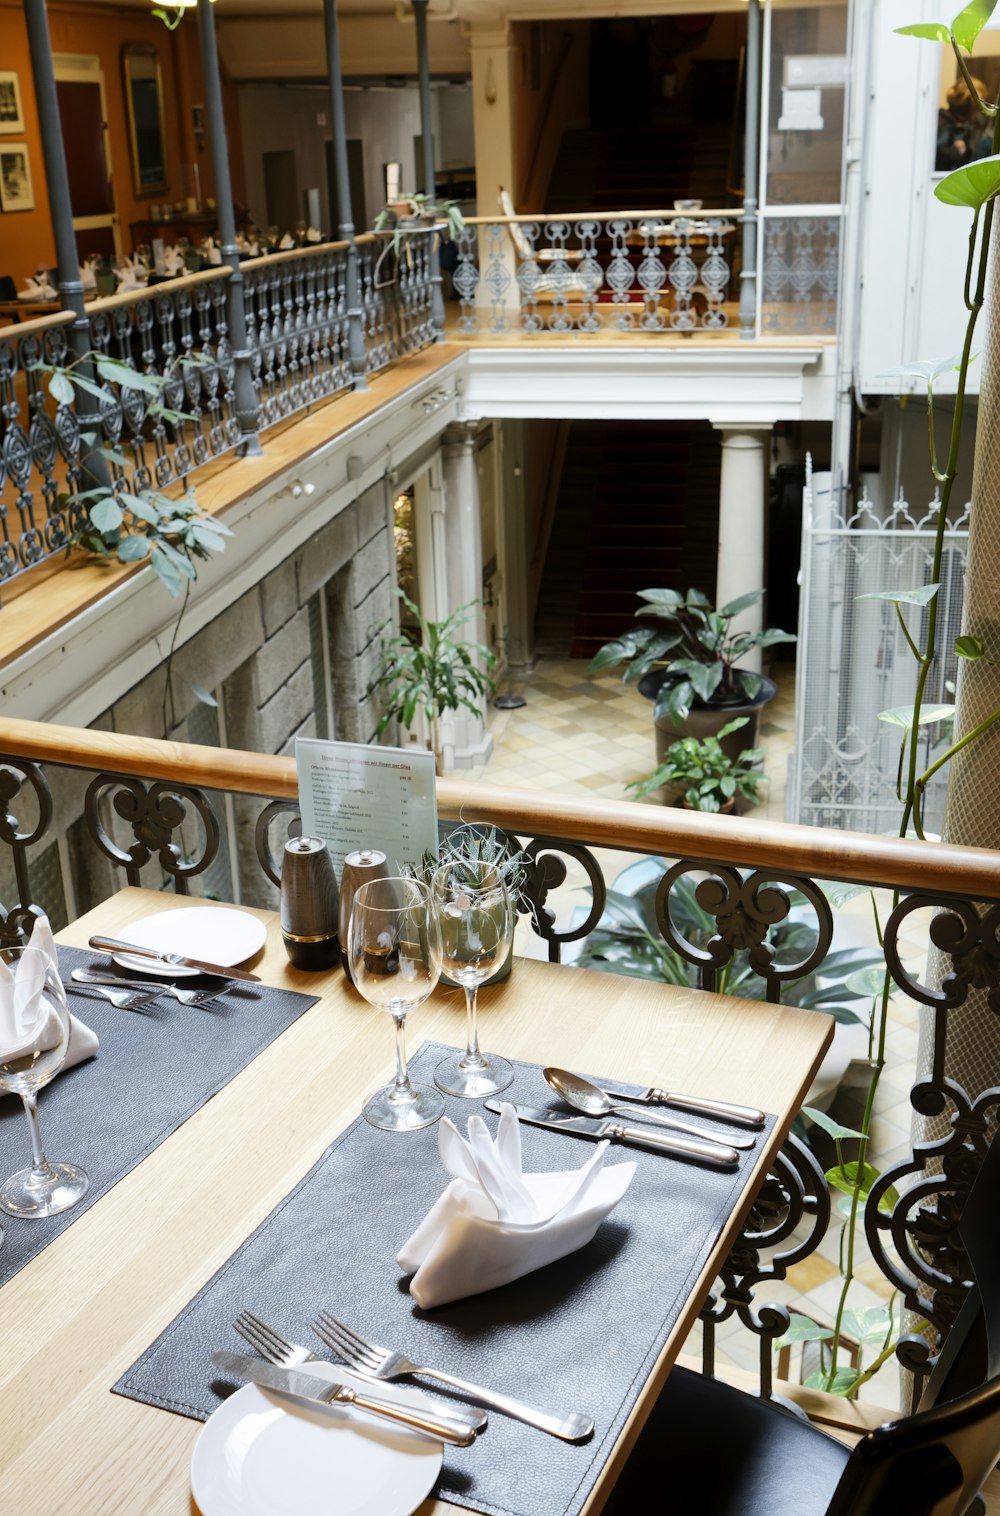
x=32 y=1052
x=476 y=931
x=394 y=949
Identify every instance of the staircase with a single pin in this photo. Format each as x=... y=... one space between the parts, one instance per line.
x=637 y=509
x=640 y=168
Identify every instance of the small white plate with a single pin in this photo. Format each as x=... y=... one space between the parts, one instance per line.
x=266 y=1454
x=216 y=934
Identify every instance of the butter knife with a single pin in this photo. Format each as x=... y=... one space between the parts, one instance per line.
x=112 y=945
x=328 y=1390
x=716 y=1154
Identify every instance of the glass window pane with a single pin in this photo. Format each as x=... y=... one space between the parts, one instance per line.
x=806 y=105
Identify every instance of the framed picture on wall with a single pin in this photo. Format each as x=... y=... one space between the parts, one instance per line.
x=16 y=193
x=11 y=112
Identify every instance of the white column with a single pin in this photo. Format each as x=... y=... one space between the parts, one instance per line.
x=742 y=513
x=464 y=568
x=494 y=57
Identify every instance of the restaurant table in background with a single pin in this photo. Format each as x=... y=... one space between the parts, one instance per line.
x=79 y=1314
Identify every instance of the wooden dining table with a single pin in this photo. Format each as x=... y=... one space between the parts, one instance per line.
x=75 y=1317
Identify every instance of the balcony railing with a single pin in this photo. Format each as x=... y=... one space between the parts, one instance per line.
x=620 y=271
x=153 y=813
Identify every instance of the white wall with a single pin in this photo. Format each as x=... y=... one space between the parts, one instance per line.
x=913 y=248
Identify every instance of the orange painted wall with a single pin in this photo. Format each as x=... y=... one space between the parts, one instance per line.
x=26 y=236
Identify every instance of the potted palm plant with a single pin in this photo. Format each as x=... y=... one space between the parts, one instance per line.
x=686 y=664
x=429 y=669
x=700 y=774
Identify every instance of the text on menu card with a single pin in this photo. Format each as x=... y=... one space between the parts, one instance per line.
x=353 y=795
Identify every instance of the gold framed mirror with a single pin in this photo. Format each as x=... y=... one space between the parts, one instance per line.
x=146 y=126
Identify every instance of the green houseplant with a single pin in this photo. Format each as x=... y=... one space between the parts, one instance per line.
x=488 y=852
x=430 y=670
x=702 y=774
x=686 y=664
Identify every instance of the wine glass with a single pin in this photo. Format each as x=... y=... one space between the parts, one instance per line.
x=394 y=949
x=32 y=1051
x=476 y=931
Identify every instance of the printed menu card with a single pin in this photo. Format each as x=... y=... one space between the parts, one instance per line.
x=356 y=795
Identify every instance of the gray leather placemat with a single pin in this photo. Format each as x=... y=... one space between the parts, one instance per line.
x=582 y=1334
x=154 y=1069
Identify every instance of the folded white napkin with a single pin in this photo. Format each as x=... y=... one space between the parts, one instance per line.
x=173 y=260
x=37 y=289
x=495 y=1223
x=313 y=234
x=24 y=1005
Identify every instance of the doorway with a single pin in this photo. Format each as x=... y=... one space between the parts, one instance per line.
x=84 y=120
x=281 y=190
x=356 y=174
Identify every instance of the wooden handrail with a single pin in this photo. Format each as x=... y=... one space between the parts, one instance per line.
x=165 y=287
x=820 y=853
x=291 y=255
x=19 y=329
x=729 y=214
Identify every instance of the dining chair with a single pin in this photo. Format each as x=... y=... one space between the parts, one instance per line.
x=718 y=1451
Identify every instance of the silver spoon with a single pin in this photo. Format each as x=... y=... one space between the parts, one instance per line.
x=592 y=1100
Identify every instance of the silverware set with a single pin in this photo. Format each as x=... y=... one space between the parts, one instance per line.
x=372 y=1362
x=132 y=994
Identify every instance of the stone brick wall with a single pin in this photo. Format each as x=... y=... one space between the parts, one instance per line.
x=261 y=656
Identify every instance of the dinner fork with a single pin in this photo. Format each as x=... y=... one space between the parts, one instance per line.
x=186 y=997
x=382 y=1363
x=288 y=1355
x=125 y=1000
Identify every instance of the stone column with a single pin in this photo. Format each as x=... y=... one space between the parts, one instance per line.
x=742 y=512
x=464 y=570
x=494 y=61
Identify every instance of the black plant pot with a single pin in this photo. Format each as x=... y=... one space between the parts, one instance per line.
x=707 y=720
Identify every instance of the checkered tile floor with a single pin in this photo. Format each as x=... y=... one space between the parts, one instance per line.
x=591 y=736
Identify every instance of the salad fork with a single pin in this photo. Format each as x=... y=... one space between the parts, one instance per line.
x=382 y=1363
x=115 y=981
x=125 y=1000
x=288 y=1355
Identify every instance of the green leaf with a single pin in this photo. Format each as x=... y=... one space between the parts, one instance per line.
x=920 y=368
x=61 y=389
x=972 y=185
x=969 y=647
x=869 y=983
x=167 y=571
x=828 y=1124
x=141 y=508
x=741 y=603
x=133 y=548
x=205 y=696
x=868 y=1323
x=129 y=378
x=902 y=715
x=107 y=515
x=839 y=892
x=934 y=31
x=922 y=596
x=843 y=1381
x=969 y=22
x=845 y=1177
x=802 y=1329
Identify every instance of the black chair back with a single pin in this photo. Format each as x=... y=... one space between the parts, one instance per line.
x=930 y=1464
x=8 y=289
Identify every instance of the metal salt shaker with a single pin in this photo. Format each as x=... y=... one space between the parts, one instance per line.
x=309 y=921
x=367 y=863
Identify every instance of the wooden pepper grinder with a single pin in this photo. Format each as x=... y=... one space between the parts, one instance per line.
x=309 y=921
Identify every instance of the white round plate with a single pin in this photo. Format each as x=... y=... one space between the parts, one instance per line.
x=218 y=934
x=265 y=1454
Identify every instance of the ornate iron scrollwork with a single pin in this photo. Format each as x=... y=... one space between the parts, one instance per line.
x=15 y=774
x=262 y=834
x=795 y=1188
x=545 y=871
x=155 y=813
x=745 y=910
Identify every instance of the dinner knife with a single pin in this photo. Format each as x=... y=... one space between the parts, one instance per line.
x=740 y=1115
x=112 y=945
x=714 y=1153
x=327 y=1389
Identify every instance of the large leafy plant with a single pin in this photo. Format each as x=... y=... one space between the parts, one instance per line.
x=431 y=669
x=695 y=646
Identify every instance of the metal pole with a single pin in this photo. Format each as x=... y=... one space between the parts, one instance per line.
x=427 y=132
x=61 y=213
x=247 y=405
x=751 y=169
x=345 y=216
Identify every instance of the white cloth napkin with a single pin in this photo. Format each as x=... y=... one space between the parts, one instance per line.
x=495 y=1223
x=23 y=1005
x=313 y=234
x=37 y=289
x=173 y=261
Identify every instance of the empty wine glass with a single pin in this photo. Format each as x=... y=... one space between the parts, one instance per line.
x=476 y=931
x=33 y=1043
x=394 y=949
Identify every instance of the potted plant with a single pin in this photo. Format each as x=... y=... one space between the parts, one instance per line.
x=489 y=853
x=429 y=669
x=700 y=774
x=687 y=665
